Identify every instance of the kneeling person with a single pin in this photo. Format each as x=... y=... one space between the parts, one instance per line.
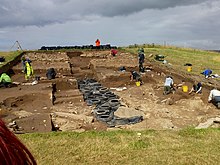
x=168 y=85
x=214 y=97
x=5 y=80
x=135 y=76
x=197 y=88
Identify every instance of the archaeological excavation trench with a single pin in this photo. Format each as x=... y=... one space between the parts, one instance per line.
x=93 y=94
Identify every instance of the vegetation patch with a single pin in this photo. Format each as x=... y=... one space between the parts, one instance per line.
x=9 y=56
x=177 y=57
x=188 y=146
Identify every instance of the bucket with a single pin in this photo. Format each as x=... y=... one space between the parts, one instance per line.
x=138 y=83
x=189 y=68
x=185 y=88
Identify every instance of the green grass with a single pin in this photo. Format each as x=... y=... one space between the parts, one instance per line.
x=9 y=56
x=187 y=146
x=177 y=57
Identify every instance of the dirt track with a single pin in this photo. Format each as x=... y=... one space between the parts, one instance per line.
x=30 y=105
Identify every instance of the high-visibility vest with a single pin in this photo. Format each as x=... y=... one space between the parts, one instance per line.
x=97 y=43
x=29 y=69
x=5 y=78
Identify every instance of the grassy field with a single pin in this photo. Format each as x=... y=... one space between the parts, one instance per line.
x=177 y=57
x=187 y=146
x=9 y=56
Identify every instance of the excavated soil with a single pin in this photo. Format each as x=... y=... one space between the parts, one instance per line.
x=31 y=108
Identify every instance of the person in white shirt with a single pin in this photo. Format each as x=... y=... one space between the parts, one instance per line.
x=214 y=97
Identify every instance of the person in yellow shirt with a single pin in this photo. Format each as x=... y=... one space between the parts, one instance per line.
x=29 y=72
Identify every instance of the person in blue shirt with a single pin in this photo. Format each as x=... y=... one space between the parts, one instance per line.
x=207 y=73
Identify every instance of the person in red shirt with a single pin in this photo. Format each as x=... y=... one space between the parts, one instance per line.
x=114 y=52
x=97 y=42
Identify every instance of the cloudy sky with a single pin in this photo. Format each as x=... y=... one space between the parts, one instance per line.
x=34 y=23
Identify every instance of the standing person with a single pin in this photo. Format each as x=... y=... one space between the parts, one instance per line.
x=13 y=151
x=214 y=97
x=197 y=88
x=168 y=85
x=141 y=58
x=29 y=72
x=134 y=76
x=5 y=80
x=97 y=43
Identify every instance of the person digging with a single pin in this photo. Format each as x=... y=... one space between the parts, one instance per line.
x=214 y=97
x=5 y=80
x=134 y=76
x=168 y=85
x=197 y=88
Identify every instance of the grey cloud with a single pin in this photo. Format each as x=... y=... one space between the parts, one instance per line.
x=43 y=12
x=113 y=8
x=187 y=23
